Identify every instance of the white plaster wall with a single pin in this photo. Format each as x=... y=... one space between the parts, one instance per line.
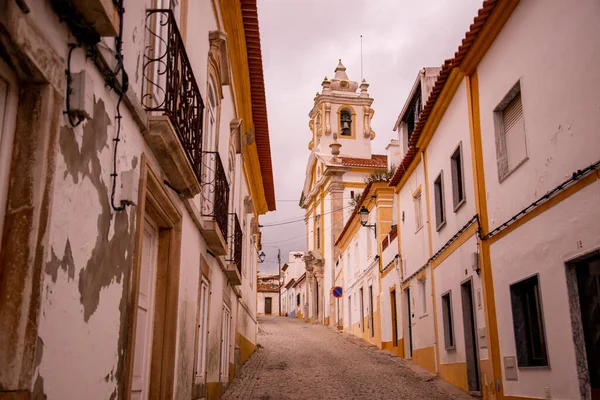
x=523 y=253
x=81 y=362
x=549 y=47
x=414 y=244
x=452 y=131
x=274 y=302
x=423 y=333
x=356 y=146
x=391 y=280
x=449 y=275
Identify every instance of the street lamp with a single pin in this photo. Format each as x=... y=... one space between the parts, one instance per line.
x=261 y=257
x=363 y=213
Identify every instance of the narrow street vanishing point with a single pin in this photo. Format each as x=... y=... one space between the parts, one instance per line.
x=296 y=360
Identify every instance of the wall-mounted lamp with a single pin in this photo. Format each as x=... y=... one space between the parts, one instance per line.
x=261 y=257
x=364 y=218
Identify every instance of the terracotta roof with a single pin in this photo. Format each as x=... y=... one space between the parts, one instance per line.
x=472 y=34
x=257 y=93
x=376 y=161
x=262 y=287
x=290 y=283
x=300 y=279
x=364 y=195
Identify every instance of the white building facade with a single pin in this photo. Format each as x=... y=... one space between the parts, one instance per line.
x=130 y=191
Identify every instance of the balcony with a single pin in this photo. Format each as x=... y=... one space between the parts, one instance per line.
x=172 y=99
x=234 y=258
x=214 y=203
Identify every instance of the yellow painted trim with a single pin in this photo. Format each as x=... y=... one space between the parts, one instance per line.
x=439 y=108
x=354 y=185
x=340 y=108
x=456 y=374
x=472 y=86
x=416 y=192
x=384 y=273
x=233 y=25
x=488 y=34
x=411 y=168
x=571 y=190
x=425 y=357
x=427 y=197
x=460 y=240
x=246 y=347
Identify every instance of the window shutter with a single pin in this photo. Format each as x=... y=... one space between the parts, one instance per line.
x=514 y=132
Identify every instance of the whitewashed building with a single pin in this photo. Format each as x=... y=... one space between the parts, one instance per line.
x=505 y=153
x=130 y=191
x=339 y=162
x=291 y=273
x=268 y=295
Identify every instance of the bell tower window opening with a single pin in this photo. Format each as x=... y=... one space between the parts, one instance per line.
x=345 y=123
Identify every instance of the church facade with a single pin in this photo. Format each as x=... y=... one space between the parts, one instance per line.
x=339 y=164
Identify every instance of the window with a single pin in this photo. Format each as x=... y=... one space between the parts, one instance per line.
x=345 y=122
x=511 y=144
x=225 y=333
x=298 y=299
x=440 y=213
x=448 y=322
x=418 y=210
x=423 y=296
x=318 y=231
x=458 y=186
x=528 y=323
x=211 y=112
x=202 y=329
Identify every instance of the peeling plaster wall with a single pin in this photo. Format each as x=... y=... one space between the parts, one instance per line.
x=85 y=302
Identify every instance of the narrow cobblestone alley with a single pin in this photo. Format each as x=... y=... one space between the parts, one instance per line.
x=305 y=361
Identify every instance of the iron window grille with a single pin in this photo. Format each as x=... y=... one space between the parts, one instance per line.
x=215 y=191
x=235 y=242
x=169 y=85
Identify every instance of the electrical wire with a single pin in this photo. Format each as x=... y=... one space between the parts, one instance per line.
x=291 y=221
x=121 y=91
x=68 y=112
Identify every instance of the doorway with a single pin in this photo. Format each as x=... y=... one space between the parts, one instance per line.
x=468 y=313
x=268 y=307
x=588 y=285
x=140 y=383
x=151 y=351
x=371 y=319
x=408 y=320
x=394 y=318
x=362 y=310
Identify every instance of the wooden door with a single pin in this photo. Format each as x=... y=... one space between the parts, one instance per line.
x=145 y=313
x=268 y=305
x=8 y=111
x=588 y=283
x=394 y=318
x=470 y=337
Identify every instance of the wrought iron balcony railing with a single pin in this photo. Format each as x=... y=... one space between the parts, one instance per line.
x=215 y=190
x=235 y=242
x=169 y=86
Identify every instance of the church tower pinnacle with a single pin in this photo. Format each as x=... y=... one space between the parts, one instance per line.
x=339 y=108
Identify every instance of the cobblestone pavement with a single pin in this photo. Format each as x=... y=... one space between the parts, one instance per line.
x=296 y=360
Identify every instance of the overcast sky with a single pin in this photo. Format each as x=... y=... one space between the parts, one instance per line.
x=302 y=41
